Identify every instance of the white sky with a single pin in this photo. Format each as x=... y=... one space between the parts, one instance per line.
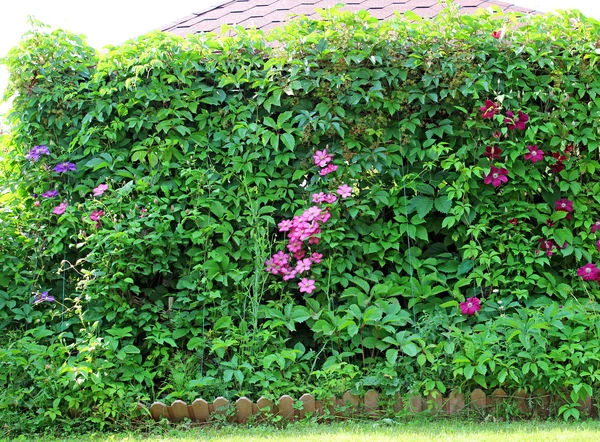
x=114 y=21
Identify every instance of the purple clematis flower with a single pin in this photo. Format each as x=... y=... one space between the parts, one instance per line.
x=50 y=193
x=64 y=167
x=36 y=151
x=43 y=297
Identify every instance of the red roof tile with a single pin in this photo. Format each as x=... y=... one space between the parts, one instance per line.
x=266 y=14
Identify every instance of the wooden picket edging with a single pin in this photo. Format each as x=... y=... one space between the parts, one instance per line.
x=349 y=405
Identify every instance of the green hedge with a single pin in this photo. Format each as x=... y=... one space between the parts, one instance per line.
x=207 y=144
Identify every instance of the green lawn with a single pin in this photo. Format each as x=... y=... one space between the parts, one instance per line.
x=414 y=431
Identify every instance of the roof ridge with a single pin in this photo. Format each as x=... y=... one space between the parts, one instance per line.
x=266 y=14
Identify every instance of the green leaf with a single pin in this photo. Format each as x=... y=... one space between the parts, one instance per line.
x=288 y=140
x=449 y=304
x=423 y=204
x=410 y=349
x=443 y=204
x=392 y=356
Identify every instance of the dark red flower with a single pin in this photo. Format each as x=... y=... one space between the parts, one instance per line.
x=549 y=223
x=513 y=221
x=557 y=168
x=547 y=245
x=521 y=120
x=492 y=152
x=517 y=122
x=569 y=148
x=489 y=109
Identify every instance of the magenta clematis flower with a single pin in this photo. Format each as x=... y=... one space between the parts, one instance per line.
x=595 y=227
x=534 y=154
x=492 y=152
x=64 y=167
x=98 y=191
x=322 y=158
x=470 y=306
x=344 y=191
x=60 y=209
x=36 y=151
x=306 y=285
x=589 y=272
x=489 y=109
x=50 y=193
x=496 y=176
x=564 y=205
x=96 y=214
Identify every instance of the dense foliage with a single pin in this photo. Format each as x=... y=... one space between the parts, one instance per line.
x=144 y=189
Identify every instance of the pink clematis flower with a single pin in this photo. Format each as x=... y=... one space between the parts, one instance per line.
x=589 y=272
x=60 y=209
x=322 y=158
x=534 y=154
x=498 y=34
x=285 y=225
x=326 y=170
x=303 y=265
x=100 y=189
x=306 y=285
x=595 y=227
x=330 y=198
x=344 y=191
x=564 y=205
x=470 y=306
x=496 y=176
x=318 y=197
x=316 y=257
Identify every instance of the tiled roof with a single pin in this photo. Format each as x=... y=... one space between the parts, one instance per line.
x=266 y=14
